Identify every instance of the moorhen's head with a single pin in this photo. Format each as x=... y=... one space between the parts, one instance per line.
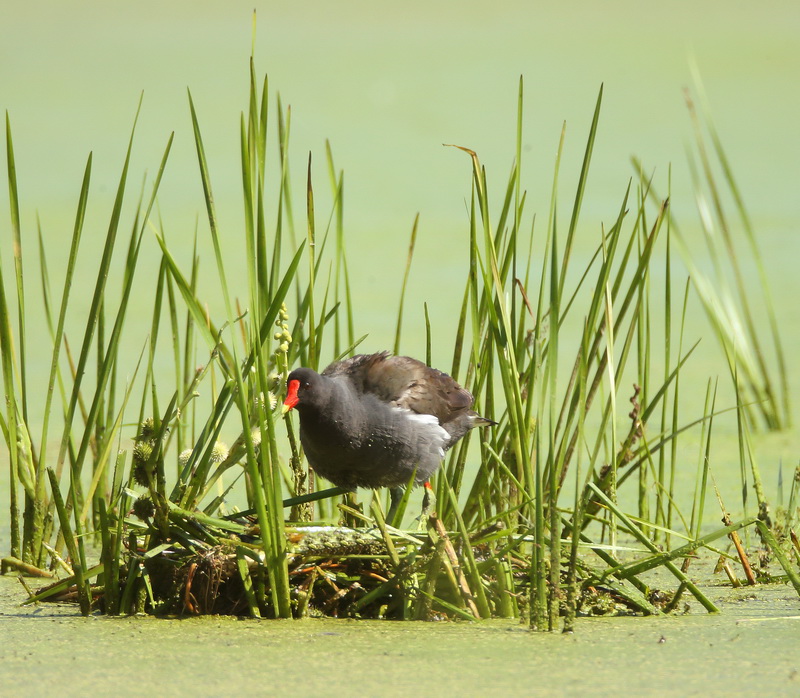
x=305 y=388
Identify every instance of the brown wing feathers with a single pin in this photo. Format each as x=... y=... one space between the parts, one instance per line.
x=406 y=383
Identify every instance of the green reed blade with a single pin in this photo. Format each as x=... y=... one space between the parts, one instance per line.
x=642 y=538
x=587 y=158
x=776 y=550
x=97 y=298
x=75 y=550
x=16 y=236
x=409 y=257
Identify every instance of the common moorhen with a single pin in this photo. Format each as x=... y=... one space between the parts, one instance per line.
x=374 y=420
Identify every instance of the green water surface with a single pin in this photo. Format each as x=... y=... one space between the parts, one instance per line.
x=388 y=85
x=752 y=648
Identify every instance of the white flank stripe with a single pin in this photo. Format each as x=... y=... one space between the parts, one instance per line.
x=429 y=421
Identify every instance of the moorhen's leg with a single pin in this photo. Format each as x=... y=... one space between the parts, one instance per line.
x=428 y=500
x=395 y=497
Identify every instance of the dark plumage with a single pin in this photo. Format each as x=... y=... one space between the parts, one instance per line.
x=375 y=419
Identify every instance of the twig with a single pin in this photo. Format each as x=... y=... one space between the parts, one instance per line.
x=466 y=593
x=13 y=563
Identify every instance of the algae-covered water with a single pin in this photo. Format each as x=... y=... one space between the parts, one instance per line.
x=752 y=648
x=387 y=86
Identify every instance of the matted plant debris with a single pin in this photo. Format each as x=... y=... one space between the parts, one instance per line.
x=333 y=571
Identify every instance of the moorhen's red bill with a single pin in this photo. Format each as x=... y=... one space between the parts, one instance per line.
x=375 y=419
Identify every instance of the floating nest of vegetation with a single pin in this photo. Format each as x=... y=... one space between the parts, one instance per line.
x=330 y=570
x=335 y=571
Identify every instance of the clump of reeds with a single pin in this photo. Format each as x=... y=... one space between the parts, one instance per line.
x=528 y=521
x=741 y=314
